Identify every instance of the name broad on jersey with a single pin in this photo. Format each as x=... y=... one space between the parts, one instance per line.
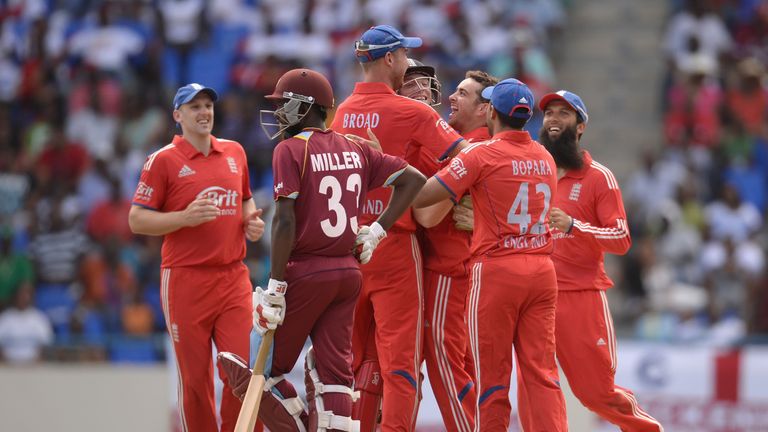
x=361 y=120
x=335 y=161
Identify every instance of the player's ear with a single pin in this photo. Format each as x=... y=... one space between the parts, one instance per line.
x=580 y=128
x=176 y=116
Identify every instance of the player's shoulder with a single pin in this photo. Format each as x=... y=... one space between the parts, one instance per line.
x=602 y=175
x=230 y=146
x=402 y=103
x=480 y=147
x=155 y=158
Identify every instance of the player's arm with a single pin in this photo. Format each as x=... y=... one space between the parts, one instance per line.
x=253 y=225
x=283 y=236
x=406 y=184
x=432 y=204
x=610 y=233
x=147 y=221
x=455 y=149
x=405 y=188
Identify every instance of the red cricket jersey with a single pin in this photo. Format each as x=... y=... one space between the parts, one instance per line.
x=329 y=177
x=592 y=197
x=176 y=175
x=445 y=248
x=511 y=180
x=406 y=128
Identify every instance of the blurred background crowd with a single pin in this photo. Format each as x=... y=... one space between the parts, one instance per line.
x=85 y=95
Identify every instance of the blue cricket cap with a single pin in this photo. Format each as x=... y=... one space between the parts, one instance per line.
x=381 y=39
x=509 y=95
x=571 y=99
x=188 y=92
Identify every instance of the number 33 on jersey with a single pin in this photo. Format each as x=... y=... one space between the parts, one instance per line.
x=329 y=177
x=511 y=179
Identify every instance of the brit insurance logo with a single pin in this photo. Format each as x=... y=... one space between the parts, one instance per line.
x=225 y=199
x=457 y=168
x=143 y=192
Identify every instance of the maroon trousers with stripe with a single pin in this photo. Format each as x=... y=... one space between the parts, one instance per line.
x=511 y=303
x=201 y=305
x=446 y=348
x=389 y=310
x=586 y=350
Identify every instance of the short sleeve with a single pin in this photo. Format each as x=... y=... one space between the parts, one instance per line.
x=286 y=169
x=461 y=173
x=151 y=190
x=383 y=168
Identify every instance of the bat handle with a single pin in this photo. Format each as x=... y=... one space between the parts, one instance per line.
x=261 y=356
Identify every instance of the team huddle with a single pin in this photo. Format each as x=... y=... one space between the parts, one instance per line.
x=398 y=238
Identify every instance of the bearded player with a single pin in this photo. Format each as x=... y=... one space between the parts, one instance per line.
x=589 y=215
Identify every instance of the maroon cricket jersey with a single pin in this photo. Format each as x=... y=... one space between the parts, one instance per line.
x=329 y=177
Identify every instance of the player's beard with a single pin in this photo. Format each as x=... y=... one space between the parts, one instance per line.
x=564 y=149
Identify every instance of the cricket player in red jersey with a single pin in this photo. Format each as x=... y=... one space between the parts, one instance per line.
x=589 y=215
x=321 y=182
x=446 y=250
x=513 y=287
x=195 y=192
x=387 y=335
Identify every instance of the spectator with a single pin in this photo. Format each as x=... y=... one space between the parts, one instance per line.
x=15 y=268
x=730 y=217
x=24 y=330
x=57 y=252
x=109 y=218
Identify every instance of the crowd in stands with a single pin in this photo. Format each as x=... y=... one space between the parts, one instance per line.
x=85 y=95
x=85 y=91
x=697 y=271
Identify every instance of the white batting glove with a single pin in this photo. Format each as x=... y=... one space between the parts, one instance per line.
x=269 y=306
x=367 y=239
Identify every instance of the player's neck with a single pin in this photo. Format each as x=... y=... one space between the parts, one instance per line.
x=376 y=75
x=474 y=126
x=201 y=142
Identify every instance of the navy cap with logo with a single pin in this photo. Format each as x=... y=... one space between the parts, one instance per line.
x=188 y=92
x=571 y=99
x=510 y=95
x=381 y=39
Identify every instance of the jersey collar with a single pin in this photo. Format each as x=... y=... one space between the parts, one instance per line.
x=580 y=173
x=190 y=151
x=479 y=134
x=518 y=136
x=372 y=88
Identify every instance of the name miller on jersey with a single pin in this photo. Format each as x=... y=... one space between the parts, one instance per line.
x=531 y=167
x=335 y=162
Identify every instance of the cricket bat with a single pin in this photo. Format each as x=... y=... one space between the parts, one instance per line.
x=249 y=411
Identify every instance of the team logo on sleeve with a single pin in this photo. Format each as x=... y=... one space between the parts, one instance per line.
x=457 y=169
x=143 y=192
x=442 y=124
x=225 y=199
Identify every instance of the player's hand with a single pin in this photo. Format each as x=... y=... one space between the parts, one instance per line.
x=464 y=215
x=269 y=306
x=367 y=239
x=372 y=140
x=200 y=211
x=560 y=220
x=254 y=226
